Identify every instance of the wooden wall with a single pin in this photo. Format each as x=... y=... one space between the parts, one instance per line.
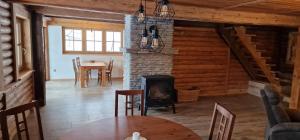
x=205 y=61
x=7 y=65
x=18 y=90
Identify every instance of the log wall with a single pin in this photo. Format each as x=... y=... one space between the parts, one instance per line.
x=7 y=65
x=204 y=61
x=19 y=91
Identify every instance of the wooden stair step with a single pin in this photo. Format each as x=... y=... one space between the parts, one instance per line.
x=229 y=28
x=285 y=81
x=262 y=51
x=248 y=56
x=257 y=69
x=271 y=65
x=264 y=61
x=240 y=29
x=268 y=58
x=259 y=54
x=261 y=75
x=274 y=72
x=278 y=79
x=251 y=35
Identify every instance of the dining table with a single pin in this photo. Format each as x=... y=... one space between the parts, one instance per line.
x=120 y=128
x=86 y=66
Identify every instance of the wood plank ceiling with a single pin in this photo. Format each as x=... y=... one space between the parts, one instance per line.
x=285 y=7
x=256 y=12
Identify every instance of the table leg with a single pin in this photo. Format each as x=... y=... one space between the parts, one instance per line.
x=103 y=76
x=82 y=78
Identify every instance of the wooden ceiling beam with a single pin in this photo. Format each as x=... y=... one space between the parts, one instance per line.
x=78 y=14
x=244 y=4
x=182 y=11
x=85 y=24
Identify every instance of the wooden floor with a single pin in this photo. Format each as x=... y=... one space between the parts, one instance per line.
x=69 y=106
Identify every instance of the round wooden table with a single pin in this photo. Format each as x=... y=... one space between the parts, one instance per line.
x=119 y=128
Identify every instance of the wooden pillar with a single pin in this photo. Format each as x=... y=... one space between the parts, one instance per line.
x=1 y=65
x=295 y=95
x=228 y=70
x=38 y=57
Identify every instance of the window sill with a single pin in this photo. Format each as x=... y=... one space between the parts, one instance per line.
x=91 y=53
x=24 y=74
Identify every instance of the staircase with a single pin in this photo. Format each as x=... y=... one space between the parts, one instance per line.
x=258 y=67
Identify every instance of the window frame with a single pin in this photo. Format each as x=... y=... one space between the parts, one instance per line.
x=84 y=41
x=114 y=41
x=27 y=67
x=19 y=54
x=64 y=41
x=94 y=41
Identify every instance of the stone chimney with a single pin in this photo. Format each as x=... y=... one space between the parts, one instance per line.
x=138 y=63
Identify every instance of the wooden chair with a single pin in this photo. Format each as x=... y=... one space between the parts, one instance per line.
x=3 y=102
x=78 y=62
x=108 y=72
x=88 y=73
x=76 y=71
x=225 y=127
x=21 y=124
x=2 y=107
x=129 y=104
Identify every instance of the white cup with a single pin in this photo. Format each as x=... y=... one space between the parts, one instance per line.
x=135 y=136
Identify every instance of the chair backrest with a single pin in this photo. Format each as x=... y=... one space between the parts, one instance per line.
x=21 y=124
x=129 y=104
x=2 y=107
x=272 y=103
x=78 y=62
x=75 y=65
x=226 y=124
x=111 y=65
x=3 y=102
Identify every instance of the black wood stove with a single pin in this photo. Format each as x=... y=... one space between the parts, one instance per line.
x=159 y=91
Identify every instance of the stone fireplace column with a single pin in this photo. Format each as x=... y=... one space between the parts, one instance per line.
x=138 y=63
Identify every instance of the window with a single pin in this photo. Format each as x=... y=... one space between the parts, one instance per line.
x=113 y=41
x=22 y=46
x=91 y=41
x=73 y=40
x=20 y=49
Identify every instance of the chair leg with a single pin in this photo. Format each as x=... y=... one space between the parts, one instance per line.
x=98 y=77
x=174 y=110
x=146 y=109
x=76 y=78
x=90 y=73
x=110 y=79
x=87 y=78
